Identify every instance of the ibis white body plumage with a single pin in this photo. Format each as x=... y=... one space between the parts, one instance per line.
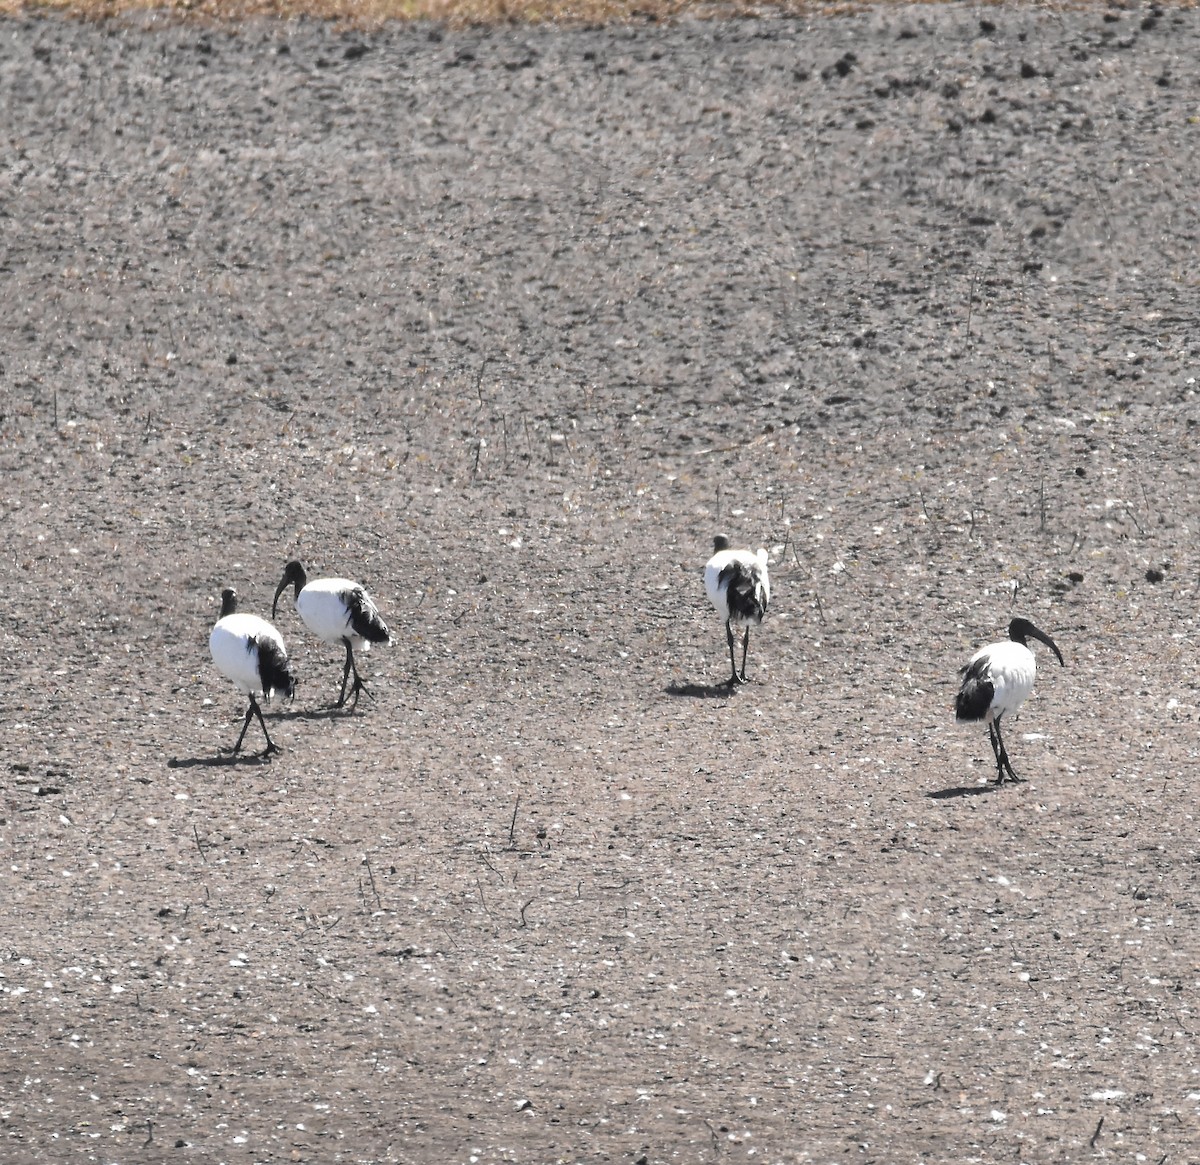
x=250 y=653
x=739 y=587
x=996 y=681
x=336 y=610
x=1010 y=668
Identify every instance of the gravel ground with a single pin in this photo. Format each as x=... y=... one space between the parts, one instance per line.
x=507 y=323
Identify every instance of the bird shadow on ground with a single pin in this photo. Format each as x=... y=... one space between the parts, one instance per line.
x=327 y=713
x=220 y=761
x=700 y=691
x=961 y=791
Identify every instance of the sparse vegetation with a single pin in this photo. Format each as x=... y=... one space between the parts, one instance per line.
x=372 y=13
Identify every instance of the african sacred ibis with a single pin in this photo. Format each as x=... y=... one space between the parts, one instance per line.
x=739 y=587
x=250 y=652
x=998 y=679
x=336 y=610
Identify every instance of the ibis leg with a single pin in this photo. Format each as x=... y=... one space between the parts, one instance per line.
x=357 y=686
x=245 y=724
x=251 y=712
x=995 y=750
x=1004 y=769
x=341 y=700
x=745 y=649
x=734 y=678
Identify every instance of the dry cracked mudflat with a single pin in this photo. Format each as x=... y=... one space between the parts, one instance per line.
x=506 y=324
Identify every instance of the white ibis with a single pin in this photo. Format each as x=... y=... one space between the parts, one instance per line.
x=739 y=588
x=336 y=610
x=250 y=652
x=999 y=679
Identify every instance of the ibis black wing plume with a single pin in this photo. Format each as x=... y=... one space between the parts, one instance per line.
x=365 y=619
x=975 y=695
x=275 y=669
x=746 y=596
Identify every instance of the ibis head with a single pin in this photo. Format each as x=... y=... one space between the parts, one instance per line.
x=1021 y=631
x=293 y=575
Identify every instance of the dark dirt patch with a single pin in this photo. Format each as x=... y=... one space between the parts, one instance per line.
x=506 y=324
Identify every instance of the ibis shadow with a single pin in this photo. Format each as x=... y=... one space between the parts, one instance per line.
x=221 y=761
x=961 y=791
x=329 y=712
x=701 y=691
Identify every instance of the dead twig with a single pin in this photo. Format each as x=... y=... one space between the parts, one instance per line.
x=483 y=900
x=1145 y=496
x=374 y=888
x=512 y=825
x=479 y=380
